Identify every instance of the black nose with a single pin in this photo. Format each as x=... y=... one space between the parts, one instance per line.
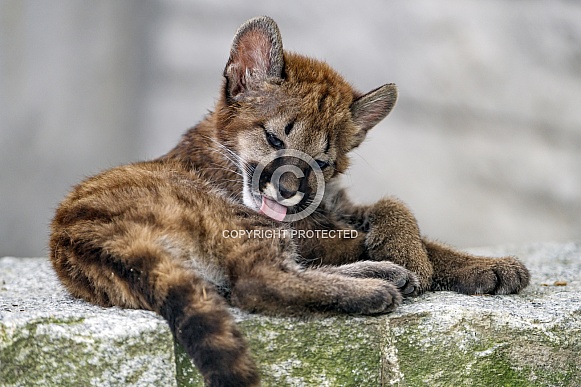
x=288 y=185
x=286 y=194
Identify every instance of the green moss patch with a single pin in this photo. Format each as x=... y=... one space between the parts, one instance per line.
x=481 y=352
x=338 y=351
x=63 y=352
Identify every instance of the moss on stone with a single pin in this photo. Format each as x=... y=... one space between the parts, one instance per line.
x=337 y=351
x=59 y=352
x=26 y=357
x=187 y=374
x=478 y=352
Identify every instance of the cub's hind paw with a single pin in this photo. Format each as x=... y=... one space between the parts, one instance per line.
x=492 y=276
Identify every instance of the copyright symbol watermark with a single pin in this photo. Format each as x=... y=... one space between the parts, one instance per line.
x=288 y=167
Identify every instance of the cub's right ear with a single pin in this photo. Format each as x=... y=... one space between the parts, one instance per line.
x=369 y=109
x=256 y=56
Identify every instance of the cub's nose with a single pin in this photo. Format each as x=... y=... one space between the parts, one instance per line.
x=288 y=185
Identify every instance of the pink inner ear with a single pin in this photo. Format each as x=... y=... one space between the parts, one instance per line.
x=253 y=53
x=371 y=114
x=250 y=60
x=255 y=56
x=369 y=109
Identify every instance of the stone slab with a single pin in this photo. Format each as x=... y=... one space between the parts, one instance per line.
x=47 y=338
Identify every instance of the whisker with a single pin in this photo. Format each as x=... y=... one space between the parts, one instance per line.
x=222 y=150
x=224 y=169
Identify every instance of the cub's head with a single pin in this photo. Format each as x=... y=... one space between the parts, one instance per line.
x=290 y=121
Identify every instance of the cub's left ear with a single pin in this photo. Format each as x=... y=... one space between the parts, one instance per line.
x=369 y=109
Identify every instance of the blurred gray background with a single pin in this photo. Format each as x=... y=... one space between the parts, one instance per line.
x=484 y=143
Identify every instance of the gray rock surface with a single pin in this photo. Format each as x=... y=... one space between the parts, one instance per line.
x=48 y=338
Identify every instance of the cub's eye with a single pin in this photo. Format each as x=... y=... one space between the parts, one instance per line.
x=274 y=141
x=322 y=164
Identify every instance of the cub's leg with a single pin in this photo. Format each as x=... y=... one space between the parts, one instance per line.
x=406 y=281
x=465 y=273
x=276 y=284
x=394 y=235
x=131 y=270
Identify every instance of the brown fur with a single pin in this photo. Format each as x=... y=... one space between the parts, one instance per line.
x=151 y=235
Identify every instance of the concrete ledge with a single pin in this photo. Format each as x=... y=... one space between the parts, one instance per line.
x=48 y=338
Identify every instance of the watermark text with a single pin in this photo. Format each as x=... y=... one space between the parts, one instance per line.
x=291 y=233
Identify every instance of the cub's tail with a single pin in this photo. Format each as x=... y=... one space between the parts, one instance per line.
x=126 y=268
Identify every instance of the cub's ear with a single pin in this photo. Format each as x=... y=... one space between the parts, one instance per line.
x=369 y=109
x=256 y=55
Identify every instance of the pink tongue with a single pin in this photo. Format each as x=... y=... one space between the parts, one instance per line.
x=272 y=209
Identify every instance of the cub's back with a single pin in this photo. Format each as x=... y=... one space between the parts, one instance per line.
x=141 y=211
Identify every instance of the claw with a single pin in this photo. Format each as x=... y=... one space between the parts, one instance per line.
x=408 y=289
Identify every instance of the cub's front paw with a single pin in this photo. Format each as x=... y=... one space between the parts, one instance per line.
x=492 y=276
x=377 y=297
x=404 y=280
